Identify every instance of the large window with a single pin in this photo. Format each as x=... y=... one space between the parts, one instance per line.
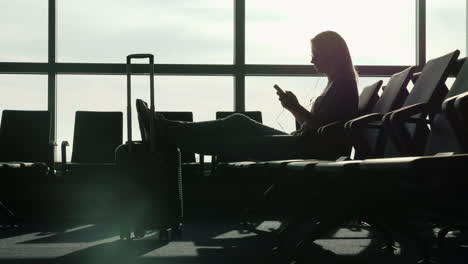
x=207 y=34
x=446 y=27
x=201 y=95
x=183 y=32
x=23 y=31
x=23 y=92
x=377 y=32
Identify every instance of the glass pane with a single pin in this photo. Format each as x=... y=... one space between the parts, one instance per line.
x=24 y=31
x=446 y=27
x=377 y=32
x=261 y=96
x=23 y=92
x=185 y=32
x=201 y=95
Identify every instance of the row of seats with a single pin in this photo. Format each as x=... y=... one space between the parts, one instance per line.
x=408 y=165
x=35 y=186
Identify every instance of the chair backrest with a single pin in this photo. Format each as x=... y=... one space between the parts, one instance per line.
x=96 y=136
x=368 y=141
x=255 y=115
x=368 y=98
x=430 y=89
x=339 y=144
x=395 y=92
x=141 y=106
x=25 y=136
x=186 y=116
x=443 y=137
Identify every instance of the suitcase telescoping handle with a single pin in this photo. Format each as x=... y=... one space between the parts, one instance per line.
x=129 y=98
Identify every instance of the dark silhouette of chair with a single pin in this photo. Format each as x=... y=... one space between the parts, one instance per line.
x=368 y=103
x=368 y=97
x=26 y=158
x=24 y=136
x=459 y=116
x=96 y=135
x=368 y=143
x=92 y=171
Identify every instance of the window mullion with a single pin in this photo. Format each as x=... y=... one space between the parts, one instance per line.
x=239 y=55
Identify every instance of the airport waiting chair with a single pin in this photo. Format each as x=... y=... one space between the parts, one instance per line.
x=26 y=160
x=86 y=181
x=96 y=135
x=453 y=211
x=371 y=204
x=368 y=103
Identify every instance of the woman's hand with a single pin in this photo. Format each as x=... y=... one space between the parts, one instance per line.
x=288 y=100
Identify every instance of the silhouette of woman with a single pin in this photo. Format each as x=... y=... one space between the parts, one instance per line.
x=240 y=136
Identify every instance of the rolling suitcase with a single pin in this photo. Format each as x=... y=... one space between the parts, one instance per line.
x=150 y=177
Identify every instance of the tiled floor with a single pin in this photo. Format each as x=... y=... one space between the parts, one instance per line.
x=212 y=241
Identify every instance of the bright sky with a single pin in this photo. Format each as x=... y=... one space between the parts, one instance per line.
x=378 y=32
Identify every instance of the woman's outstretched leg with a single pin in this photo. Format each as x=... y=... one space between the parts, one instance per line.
x=236 y=135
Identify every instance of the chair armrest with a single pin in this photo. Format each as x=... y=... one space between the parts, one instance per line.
x=366 y=121
x=406 y=142
x=408 y=114
x=461 y=107
x=331 y=128
x=64 y=146
x=51 y=159
x=449 y=104
x=415 y=77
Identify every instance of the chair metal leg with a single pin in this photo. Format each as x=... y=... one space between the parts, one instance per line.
x=10 y=218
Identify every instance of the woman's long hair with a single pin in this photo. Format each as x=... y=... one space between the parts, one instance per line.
x=335 y=52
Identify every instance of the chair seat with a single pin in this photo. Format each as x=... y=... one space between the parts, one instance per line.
x=91 y=173
x=337 y=166
x=274 y=164
x=303 y=165
x=23 y=172
x=400 y=164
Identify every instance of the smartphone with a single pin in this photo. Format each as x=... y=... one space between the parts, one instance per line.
x=278 y=89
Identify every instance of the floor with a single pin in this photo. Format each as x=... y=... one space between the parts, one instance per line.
x=202 y=241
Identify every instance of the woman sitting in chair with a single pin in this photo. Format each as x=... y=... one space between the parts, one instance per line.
x=240 y=136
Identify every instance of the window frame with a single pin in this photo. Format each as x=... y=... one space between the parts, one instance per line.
x=239 y=69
